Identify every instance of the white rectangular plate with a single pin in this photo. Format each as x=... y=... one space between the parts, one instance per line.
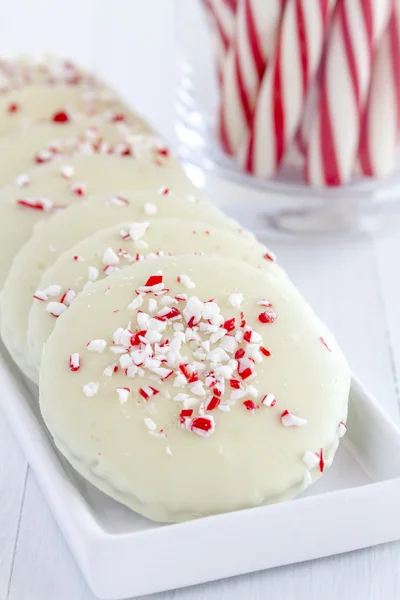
x=121 y=554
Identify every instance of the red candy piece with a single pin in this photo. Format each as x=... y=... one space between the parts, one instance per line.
x=230 y=324
x=185 y=414
x=249 y=404
x=201 y=423
x=213 y=403
x=60 y=117
x=154 y=280
x=267 y=317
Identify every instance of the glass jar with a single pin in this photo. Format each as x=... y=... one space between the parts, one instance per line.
x=283 y=203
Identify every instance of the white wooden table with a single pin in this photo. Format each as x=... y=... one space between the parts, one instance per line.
x=355 y=288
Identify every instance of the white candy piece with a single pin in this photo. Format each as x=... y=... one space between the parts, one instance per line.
x=290 y=420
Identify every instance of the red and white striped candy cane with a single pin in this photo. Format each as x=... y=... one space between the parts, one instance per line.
x=222 y=15
x=343 y=88
x=285 y=85
x=379 y=136
x=252 y=45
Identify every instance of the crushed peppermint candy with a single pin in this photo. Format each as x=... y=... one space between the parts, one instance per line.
x=267 y=316
x=90 y=389
x=22 y=180
x=123 y=394
x=110 y=258
x=225 y=354
x=74 y=362
x=43 y=204
x=96 y=345
x=342 y=428
x=118 y=201
x=150 y=209
x=93 y=273
x=137 y=230
x=290 y=420
x=52 y=290
x=67 y=171
x=269 y=400
x=186 y=281
x=150 y=424
x=270 y=256
x=110 y=370
x=235 y=300
x=325 y=343
x=79 y=189
x=60 y=117
x=56 y=308
x=68 y=297
x=310 y=459
x=164 y=191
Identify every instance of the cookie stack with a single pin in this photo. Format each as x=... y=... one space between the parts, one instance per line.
x=179 y=369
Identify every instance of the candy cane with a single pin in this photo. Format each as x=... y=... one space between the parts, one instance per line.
x=285 y=85
x=381 y=123
x=345 y=77
x=222 y=15
x=252 y=45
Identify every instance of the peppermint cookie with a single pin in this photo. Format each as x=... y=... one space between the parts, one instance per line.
x=47 y=189
x=112 y=249
x=22 y=71
x=194 y=385
x=66 y=228
x=63 y=135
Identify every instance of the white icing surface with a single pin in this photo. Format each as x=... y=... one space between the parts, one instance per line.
x=98 y=173
x=41 y=101
x=114 y=248
x=19 y=149
x=249 y=457
x=65 y=228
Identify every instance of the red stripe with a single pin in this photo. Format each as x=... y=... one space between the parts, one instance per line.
x=366 y=9
x=328 y=151
x=364 y=154
x=244 y=100
x=249 y=161
x=223 y=134
x=303 y=49
x=324 y=12
x=232 y=4
x=364 y=150
x=221 y=32
x=278 y=101
x=394 y=35
x=254 y=40
x=349 y=52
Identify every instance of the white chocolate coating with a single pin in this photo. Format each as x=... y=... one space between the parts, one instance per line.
x=136 y=449
x=31 y=103
x=98 y=173
x=114 y=248
x=64 y=229
x=21 y=150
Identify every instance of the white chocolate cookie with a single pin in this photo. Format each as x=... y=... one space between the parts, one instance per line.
x=112 y=249
x=64 y=229
x=194 y=385
x=60 y=183
x=61 y=136
x=21 y=71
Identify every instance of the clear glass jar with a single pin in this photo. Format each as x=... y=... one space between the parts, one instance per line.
x=285 y=203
